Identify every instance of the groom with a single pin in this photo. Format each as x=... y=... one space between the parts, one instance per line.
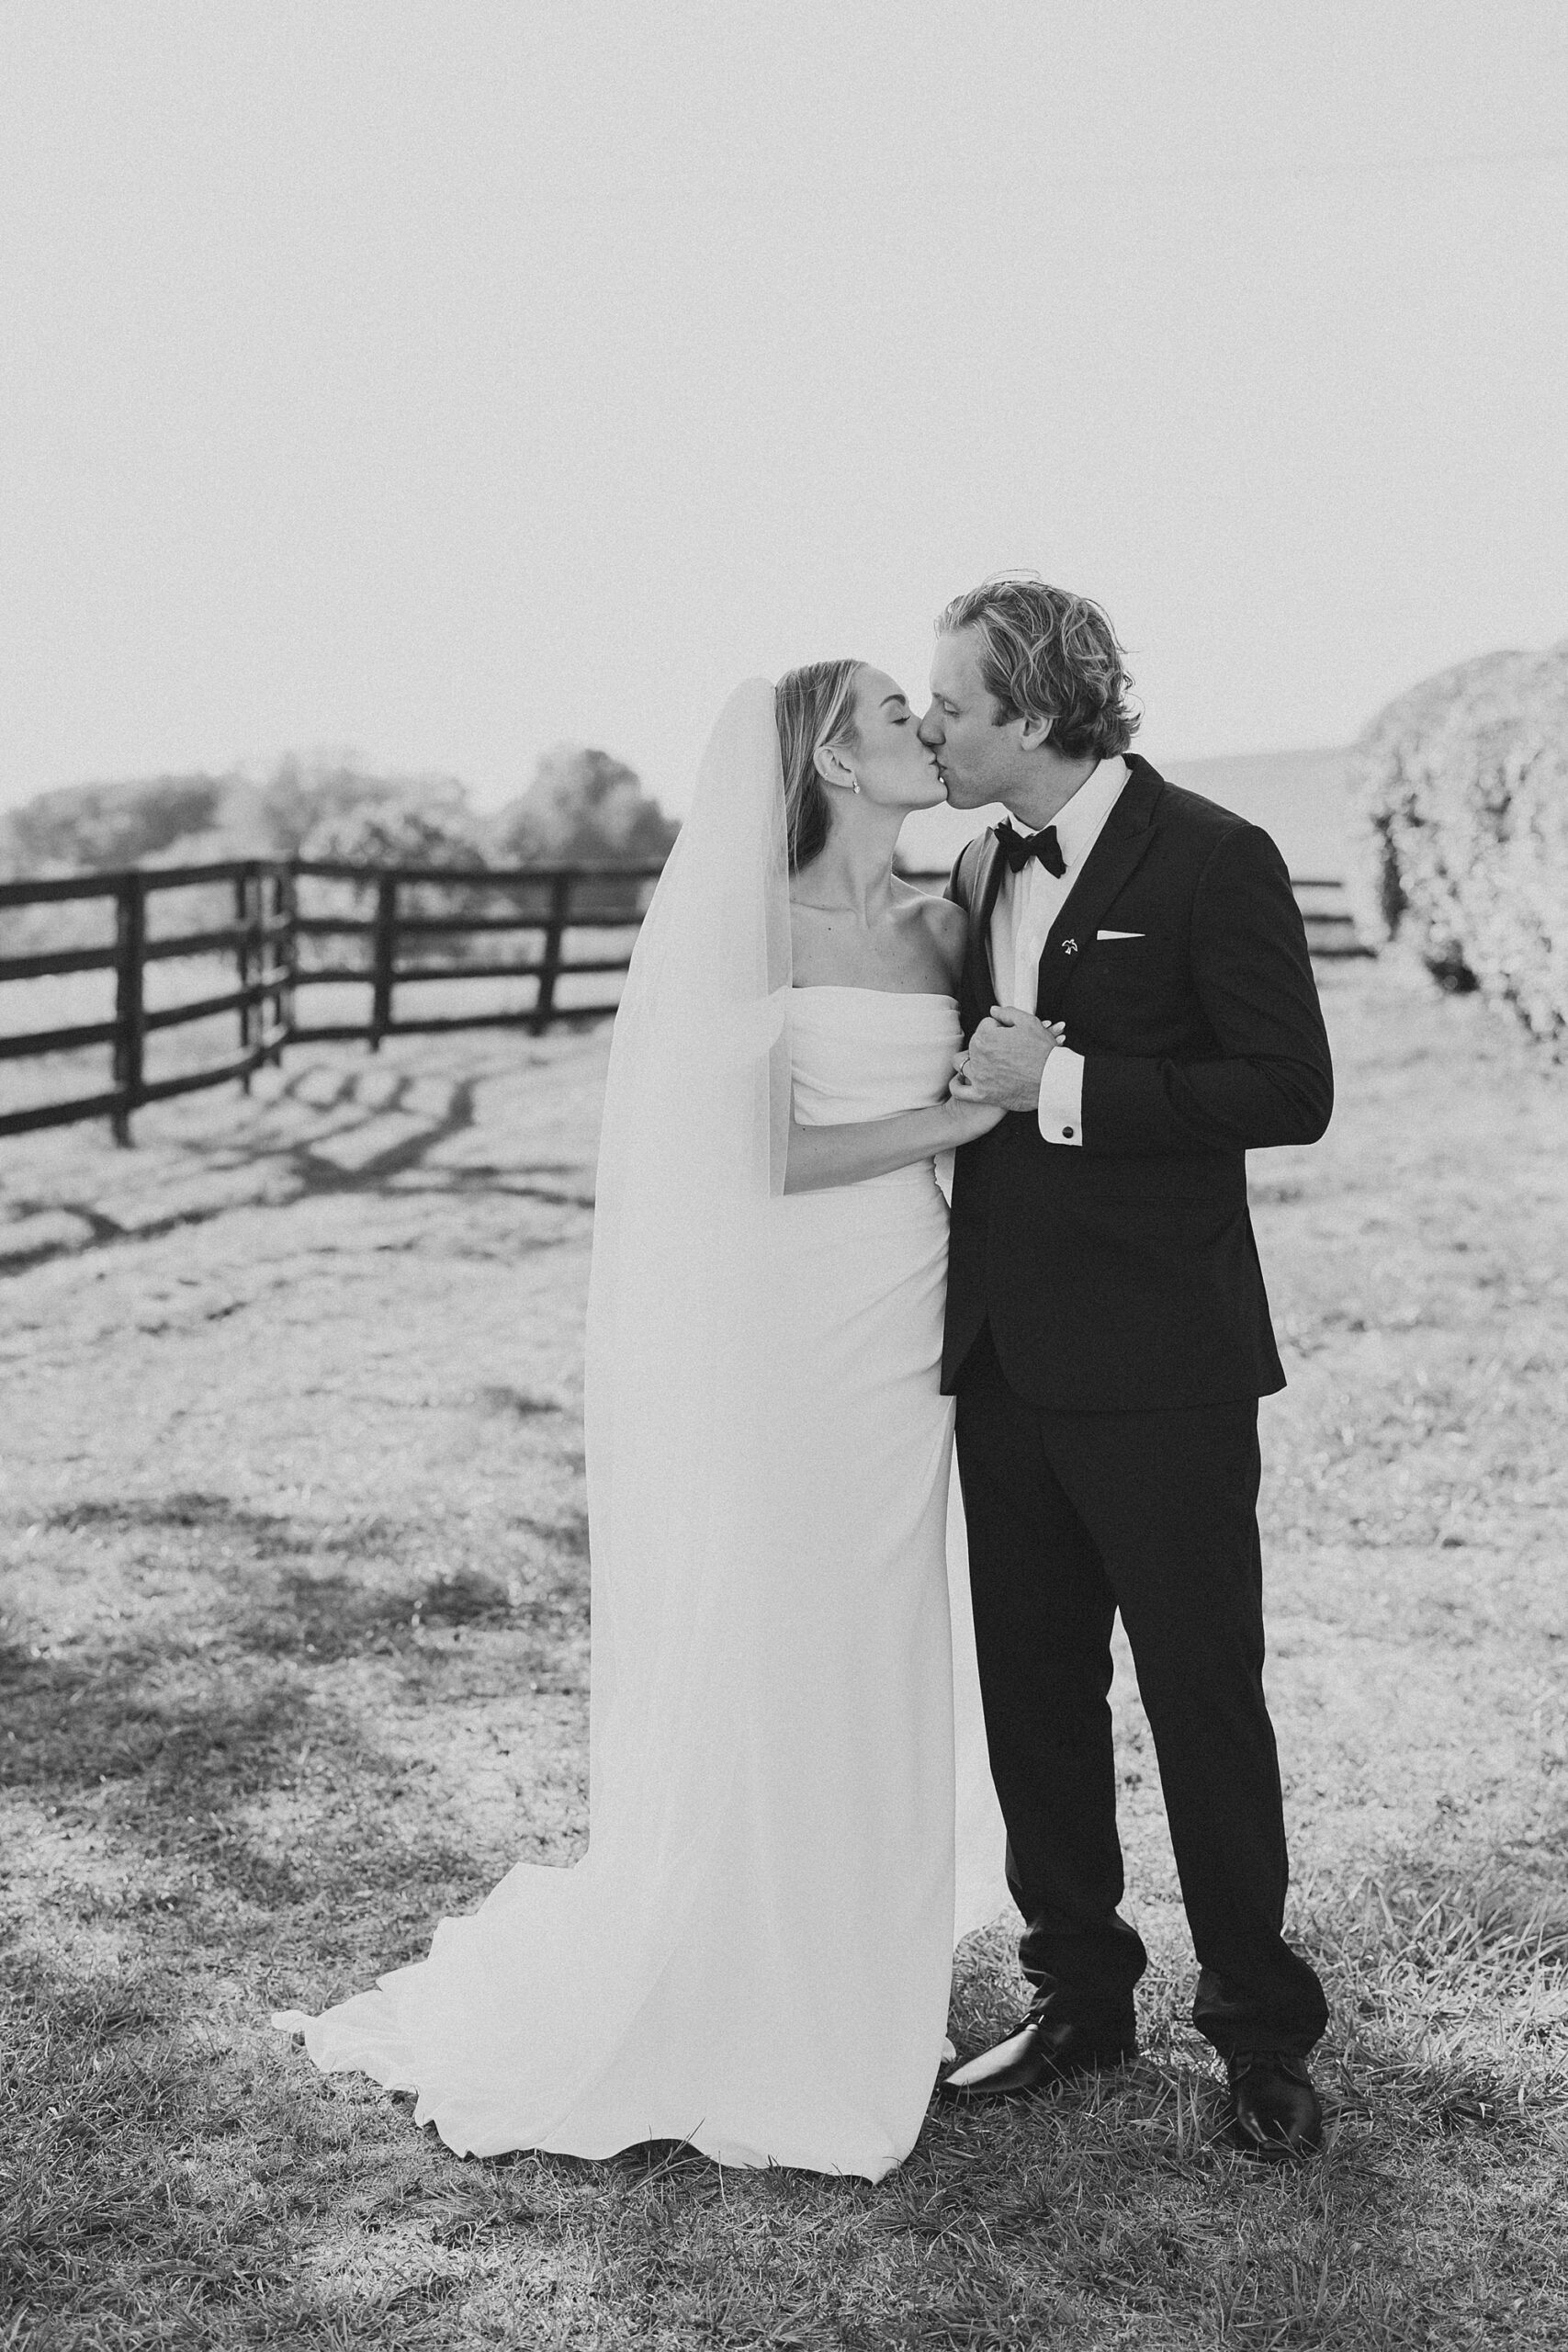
x=1108 y=1336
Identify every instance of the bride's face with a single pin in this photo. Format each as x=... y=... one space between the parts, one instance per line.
x=890 y=763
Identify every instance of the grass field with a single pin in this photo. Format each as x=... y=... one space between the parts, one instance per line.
x=293 y=1661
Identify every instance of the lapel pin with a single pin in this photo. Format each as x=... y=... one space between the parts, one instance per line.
x=1069 y=946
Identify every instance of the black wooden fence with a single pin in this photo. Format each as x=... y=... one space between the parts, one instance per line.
x=399 y=938
x=1330 y=926
x=399 y=935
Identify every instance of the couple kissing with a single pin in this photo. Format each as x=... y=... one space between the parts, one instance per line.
x=846 y=1704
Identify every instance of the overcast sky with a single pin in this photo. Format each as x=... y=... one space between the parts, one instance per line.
x=441 y=379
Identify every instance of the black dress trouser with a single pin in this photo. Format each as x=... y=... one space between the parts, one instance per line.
x=1071 y=1517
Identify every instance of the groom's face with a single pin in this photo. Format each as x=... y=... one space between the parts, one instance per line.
x=977 y=759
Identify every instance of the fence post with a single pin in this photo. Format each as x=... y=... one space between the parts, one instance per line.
x=386 y=948
x=242 y=965
x=549 y=967
x=284 y=909
x=131 y=942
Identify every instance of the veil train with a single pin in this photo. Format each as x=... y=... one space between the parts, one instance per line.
x=537 y=2020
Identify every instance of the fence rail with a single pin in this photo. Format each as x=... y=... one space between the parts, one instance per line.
x=1331 y=929
x=268 y=929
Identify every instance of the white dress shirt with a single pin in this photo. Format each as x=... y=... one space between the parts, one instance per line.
x=1027 y=905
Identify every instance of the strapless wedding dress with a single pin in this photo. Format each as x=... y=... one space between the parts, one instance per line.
x=797 y=2009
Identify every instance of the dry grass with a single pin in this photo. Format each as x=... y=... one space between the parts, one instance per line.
x=294 y=1661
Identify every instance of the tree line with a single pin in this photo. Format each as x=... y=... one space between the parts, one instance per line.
x=583 y=805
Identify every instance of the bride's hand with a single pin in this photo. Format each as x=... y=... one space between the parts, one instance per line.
x=969 y=1116
x=971 y=1119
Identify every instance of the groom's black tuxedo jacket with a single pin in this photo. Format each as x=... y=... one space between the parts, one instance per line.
x=1121 y=1275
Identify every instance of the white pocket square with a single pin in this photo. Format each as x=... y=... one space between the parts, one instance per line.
x=1118 y=935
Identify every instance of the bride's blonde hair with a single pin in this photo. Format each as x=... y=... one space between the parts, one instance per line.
x=815 y=710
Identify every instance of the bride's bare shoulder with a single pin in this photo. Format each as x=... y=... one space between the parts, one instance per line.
x=946 y=923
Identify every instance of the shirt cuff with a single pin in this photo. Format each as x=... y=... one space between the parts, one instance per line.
x=1061 y=1097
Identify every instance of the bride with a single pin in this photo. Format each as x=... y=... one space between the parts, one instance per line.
x=790 y=1817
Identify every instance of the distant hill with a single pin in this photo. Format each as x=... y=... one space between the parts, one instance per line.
x=582 y=804
x=1301 y=797
x=1298 y=797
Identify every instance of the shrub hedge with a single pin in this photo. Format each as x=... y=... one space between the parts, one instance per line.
x=1461 y=795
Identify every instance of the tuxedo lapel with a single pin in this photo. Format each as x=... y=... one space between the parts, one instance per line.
x=979 y=980
x=1123 y=839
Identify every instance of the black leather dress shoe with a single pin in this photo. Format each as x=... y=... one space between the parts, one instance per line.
x=1039 y=2056
x=1274 y=2111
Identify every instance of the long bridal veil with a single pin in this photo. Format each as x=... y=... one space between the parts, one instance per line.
x=526 y=2007
x=682 y=1312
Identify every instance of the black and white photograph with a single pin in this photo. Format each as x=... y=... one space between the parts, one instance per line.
x=783 y=1175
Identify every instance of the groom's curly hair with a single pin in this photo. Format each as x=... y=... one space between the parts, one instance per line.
x=1045 y=653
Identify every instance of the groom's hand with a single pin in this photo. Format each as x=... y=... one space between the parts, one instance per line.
x=1006 y=1060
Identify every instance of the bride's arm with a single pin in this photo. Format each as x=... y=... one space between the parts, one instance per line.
x=859 y=1148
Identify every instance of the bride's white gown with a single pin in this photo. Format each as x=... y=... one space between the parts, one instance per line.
x=772 y=1982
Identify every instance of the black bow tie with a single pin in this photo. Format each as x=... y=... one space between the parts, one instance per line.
x=1018 y=848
